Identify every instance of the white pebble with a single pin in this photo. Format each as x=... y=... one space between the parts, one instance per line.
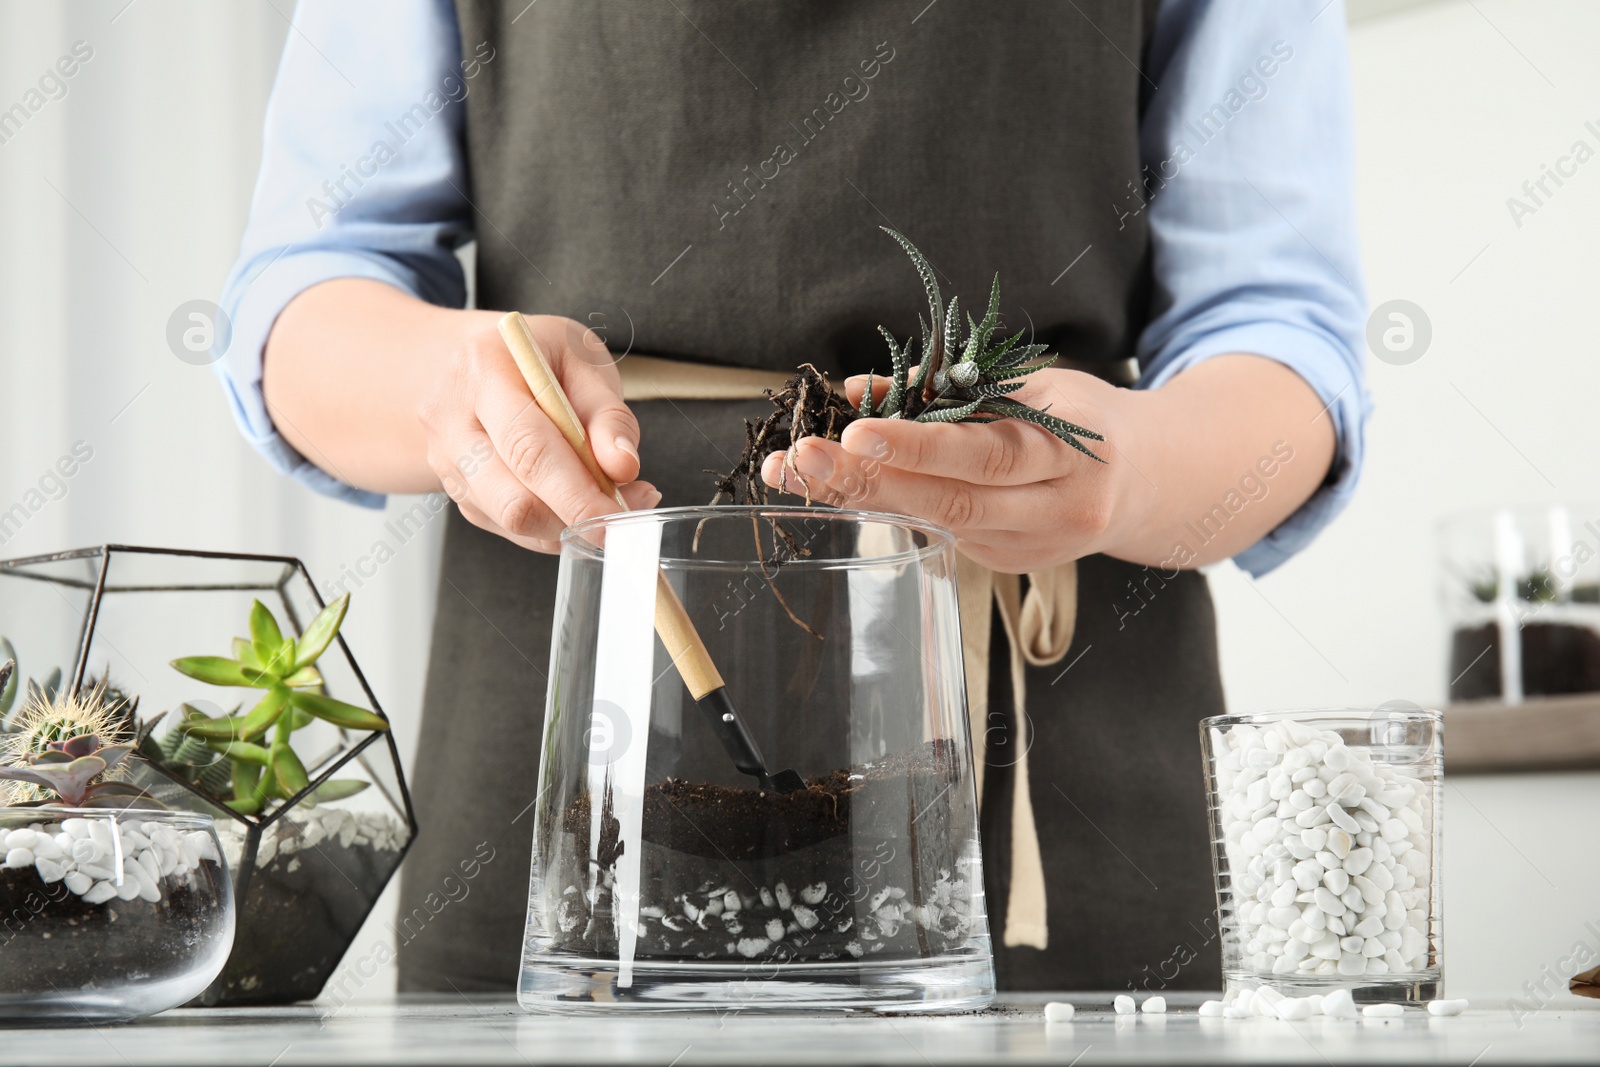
x=1446 y=1007
x=1383 y=1011
x=1058 y=1011
x=1211 y=1009
x=78 y=882
x=17 y=858
x=51 y=871
x=1292 y=1009
x=1123 y=1004
x=100 y=834
x=1154 y=1006
x=1339 y=1004
x=99 y=893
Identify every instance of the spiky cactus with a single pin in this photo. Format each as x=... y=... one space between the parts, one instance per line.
x=68 y=746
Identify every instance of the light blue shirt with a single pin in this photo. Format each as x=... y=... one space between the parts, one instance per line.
x=1248 y=197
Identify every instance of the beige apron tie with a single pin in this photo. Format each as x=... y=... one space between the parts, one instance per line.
x=1038 y=626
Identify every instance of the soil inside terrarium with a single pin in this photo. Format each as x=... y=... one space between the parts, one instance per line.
x=52 y=939
x=862 y=862
x=300 y=907
x=1557 y=658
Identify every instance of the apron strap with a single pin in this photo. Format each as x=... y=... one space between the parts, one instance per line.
x=1039 y=628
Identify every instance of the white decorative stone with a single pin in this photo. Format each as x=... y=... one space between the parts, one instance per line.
x=1058 y=1011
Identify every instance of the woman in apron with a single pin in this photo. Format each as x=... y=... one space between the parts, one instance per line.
x=698 y=188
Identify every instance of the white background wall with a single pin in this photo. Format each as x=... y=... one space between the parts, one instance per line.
x=126 y=198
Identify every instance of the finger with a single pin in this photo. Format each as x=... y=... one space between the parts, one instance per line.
x=535 y=452
x=479 y=477
x=838 y=477
x=641 y=496
x=588 y=375
x=855 y=388
x=999 y=452
x=473 y=514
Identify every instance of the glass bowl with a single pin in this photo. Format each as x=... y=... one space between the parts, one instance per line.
x=1326 y=843
x=665 y=877
x=108 y=915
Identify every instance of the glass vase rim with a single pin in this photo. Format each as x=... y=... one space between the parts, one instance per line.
x=1326 y=714
x=1485 y=515
x=59 y=813
x=939 y=538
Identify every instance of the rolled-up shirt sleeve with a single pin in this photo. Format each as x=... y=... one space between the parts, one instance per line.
x=362 y=176
x=1247 y=146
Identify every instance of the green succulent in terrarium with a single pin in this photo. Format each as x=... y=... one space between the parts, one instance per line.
x=232 y=756
x=1537 y=586
x=962 y=374
x=69 y=747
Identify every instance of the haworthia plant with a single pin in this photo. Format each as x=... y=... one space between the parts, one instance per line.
x=963 y=377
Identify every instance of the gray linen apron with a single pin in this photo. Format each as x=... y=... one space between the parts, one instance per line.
x=706 y=180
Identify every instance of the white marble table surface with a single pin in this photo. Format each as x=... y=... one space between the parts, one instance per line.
x=492 y=1030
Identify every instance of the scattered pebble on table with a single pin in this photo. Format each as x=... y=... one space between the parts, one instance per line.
x=1211 y=1009
x=1123 y=1004
x=1446 y=1007
x=1154 y=1006
x=1058 y=1011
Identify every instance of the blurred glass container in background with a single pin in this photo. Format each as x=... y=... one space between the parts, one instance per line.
x=1522 y=601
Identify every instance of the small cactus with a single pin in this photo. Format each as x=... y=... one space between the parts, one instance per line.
x=68 y=746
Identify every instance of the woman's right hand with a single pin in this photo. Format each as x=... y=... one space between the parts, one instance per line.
x=501 y=460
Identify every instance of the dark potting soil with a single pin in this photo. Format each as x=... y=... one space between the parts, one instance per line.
x=860 y=863
x=52 y=938
x=297 y=916
x=1556 y=658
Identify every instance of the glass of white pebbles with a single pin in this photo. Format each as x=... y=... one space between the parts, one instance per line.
x=1325 y=845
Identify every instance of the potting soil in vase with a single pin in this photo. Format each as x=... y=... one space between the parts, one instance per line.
x=316 y=875
x=1557 y=658
x=99 y=903
x=829 y=872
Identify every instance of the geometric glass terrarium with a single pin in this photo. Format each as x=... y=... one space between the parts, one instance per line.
x=306 y=873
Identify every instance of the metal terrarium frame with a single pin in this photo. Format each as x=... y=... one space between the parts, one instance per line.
x=292 y=566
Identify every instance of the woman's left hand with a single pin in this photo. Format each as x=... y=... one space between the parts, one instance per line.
x=1017 y=497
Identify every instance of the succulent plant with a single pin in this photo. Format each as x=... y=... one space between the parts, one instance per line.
x=68 y=746
x=960 y=377
x=260 y=772
x=963 y=378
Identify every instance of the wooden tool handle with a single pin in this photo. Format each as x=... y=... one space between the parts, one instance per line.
x=673 y=625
